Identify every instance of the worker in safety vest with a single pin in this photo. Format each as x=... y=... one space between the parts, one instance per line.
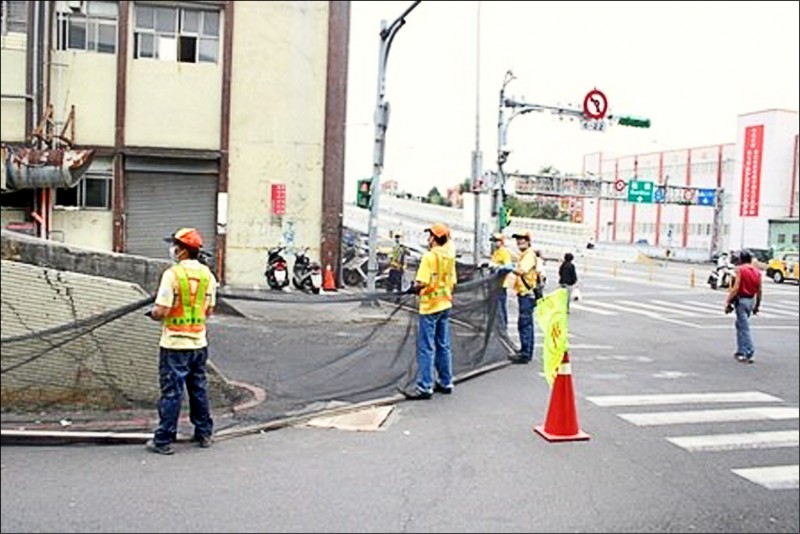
x=398 y=262
x=185 y=298
x=501 y=264
x=524 y=286
x=434 y=283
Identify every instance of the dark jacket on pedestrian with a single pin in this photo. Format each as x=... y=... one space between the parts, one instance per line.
x=566 y=273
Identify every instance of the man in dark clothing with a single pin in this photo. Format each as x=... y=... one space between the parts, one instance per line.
x=567 y=277
x=744 y=296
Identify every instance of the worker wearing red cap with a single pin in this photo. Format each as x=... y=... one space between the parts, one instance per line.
x=185 y=298
x=434 y=283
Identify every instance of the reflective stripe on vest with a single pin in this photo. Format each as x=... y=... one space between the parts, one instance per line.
x=188 y=312
x=441 y=287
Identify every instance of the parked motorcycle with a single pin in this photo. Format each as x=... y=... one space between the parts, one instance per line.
x=721 y=276
x=306 y=274
x=354 y=271
x=276 y=272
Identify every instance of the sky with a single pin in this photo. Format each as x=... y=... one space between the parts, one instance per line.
x=690 y=67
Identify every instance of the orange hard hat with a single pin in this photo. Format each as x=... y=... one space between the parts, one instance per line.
x=188 y=237
x=438 y=230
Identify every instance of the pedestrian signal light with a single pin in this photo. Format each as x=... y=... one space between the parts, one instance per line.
x=364 y=193
x=505 y=217
x=636 y=122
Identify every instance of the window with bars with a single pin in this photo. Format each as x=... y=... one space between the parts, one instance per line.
x=90 y=26
x=92 y=192
x=176 y=34
x=13 y=16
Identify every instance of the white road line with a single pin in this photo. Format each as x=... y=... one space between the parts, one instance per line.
x=570 y=346
x=681 y=398
x=717 y=310
x=581 y=307
x=711 y=416
x=730 y=442
x=688 y=307
x=781 y=312
x=659 y=308
x=789 y=303
x=774 y=477
x=646 y=313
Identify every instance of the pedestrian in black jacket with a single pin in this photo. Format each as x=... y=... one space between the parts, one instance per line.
x=567 y=277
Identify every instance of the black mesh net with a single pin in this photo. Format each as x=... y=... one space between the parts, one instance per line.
x=283 y=355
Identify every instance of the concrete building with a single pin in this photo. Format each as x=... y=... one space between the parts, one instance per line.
x=226 y=116
x=755 y=178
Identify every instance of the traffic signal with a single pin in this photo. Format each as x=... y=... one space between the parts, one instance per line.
x=364 y=193
x=636 y=122
x=504 y=217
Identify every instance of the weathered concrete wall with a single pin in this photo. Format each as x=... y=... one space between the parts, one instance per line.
x=145 y=272
x=87 y=364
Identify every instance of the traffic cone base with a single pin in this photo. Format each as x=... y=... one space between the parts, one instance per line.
x=328 y=283
x=561 y=423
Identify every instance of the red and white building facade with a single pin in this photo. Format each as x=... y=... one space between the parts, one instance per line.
x=758 y=175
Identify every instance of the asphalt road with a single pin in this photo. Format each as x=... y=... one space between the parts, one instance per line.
x=646 y=349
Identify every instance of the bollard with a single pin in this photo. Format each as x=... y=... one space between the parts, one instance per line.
x=650 y=273
x=691 y=279
x=614 y=272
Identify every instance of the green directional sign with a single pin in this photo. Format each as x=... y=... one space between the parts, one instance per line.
x=640 y=191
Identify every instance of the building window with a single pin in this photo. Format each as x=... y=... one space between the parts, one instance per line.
x=14 y=16
x=176 y=34
x=795 y=238
x=88 y=25
x=93 y=191
x=781 y=238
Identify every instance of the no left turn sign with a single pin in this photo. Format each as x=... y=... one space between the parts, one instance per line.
x=595 y=104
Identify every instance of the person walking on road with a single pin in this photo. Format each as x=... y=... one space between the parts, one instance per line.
x=398 y=262
x=434 y=283
x=744 y=297
x=524 y=286
x=185 y=298
x=567 y=276
x=500 y=263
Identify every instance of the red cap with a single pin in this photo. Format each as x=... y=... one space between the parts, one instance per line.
x=189 y=237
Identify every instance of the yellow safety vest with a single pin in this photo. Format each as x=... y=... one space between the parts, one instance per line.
x=188 y=312
x=530 y=278
x=437 y=295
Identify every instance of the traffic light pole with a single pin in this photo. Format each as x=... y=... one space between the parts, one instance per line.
x=381 y=121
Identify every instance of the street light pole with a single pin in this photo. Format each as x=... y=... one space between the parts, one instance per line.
x=477 y=156
x=381 y=122
x=502 y=152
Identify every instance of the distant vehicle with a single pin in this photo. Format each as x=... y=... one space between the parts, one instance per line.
x=784 y=266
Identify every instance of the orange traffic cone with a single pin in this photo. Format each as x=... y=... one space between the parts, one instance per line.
x=328 y=283
x=562 y=418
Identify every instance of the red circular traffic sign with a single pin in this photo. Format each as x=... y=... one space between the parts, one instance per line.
x=688 y=195
x=619 y=185
x=595 y=104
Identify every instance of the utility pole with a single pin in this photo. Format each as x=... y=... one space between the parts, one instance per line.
x=502 y=152
x=381 y=122
x=477 y=156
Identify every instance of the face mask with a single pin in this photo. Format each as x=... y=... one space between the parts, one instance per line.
x=173 y=253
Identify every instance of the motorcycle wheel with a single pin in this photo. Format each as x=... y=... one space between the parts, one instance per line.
x=351 y=277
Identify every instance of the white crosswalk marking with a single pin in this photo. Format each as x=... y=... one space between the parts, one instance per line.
x=681 y=398
x=774 y=477
x=771 y=477
x=711 y=416
x=581 y=307
x=659 y=308
x=729 y=442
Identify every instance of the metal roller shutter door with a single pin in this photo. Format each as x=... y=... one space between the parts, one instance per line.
x=158 y=204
